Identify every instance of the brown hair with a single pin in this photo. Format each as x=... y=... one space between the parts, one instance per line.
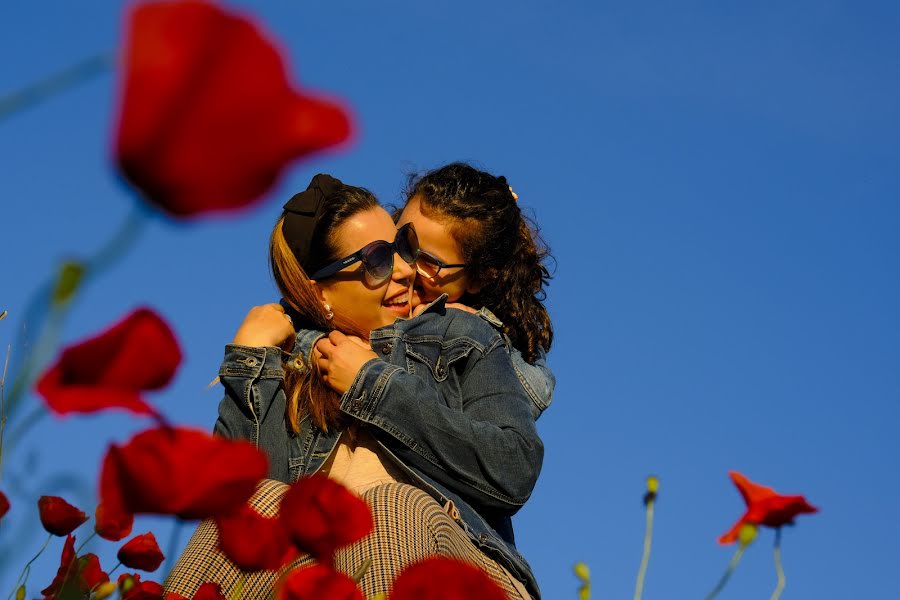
x=502 y=248
x=307 y=393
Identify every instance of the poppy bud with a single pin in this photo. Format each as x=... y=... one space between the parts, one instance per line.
x=104 y=590
x=747 y=534
x=20 y=593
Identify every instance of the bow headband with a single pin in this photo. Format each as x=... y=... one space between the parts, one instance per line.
x=302 y=213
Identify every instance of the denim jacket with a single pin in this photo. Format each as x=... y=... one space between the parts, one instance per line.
x=443 y=401
x=537 y=379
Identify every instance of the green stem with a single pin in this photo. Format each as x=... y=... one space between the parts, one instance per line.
x=3 y=403
x=645 y=558
x=113 y=570
x=85 y=542
x=48 y=339
x=54 y=84
x=728 y=572
x=779 y=569
x=172 y=549
x=23 y=577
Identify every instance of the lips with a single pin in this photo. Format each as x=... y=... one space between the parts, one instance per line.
x=400 y=300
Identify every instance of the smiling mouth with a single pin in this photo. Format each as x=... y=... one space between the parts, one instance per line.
x=401 y=301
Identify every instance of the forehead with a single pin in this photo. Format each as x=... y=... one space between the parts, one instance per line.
x=433 y=233
x=363 y=228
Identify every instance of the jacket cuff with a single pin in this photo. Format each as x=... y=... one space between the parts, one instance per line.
x=367 y=389
x=252 y=362
x=304 y=342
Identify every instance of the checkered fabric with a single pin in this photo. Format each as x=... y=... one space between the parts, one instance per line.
x=409 y=526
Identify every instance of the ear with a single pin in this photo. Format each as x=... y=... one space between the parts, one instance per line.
x=320 y=291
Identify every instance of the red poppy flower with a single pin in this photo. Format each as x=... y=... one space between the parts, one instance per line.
x=110 y=370
x=111 y=525
x=207 y=591
x=320 y=515
x=4 y=504
x=58 y=516
x=445 y=579
x=253 y=542
x=208 y=119
x=180 y=471
x=132 y=588
x=764 y=507
x=85 y=571
x=317 y=582
x=141 y=552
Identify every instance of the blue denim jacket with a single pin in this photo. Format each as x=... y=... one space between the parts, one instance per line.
x=443 y=401
x=537 y=379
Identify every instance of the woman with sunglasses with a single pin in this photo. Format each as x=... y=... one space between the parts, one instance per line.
x=435 y=431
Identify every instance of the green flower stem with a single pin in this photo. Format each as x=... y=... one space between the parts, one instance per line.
x=54 y=84
x=85 y=542
x=172 y=547
x=645 y=559
x=23 y=577
x=728 y=572
x=779 y=569
x=113 y=570
x=3 y=402
x=59 y=294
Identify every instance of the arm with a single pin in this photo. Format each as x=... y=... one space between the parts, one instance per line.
x=489 y=451
x=537 y=379
x=254 y=404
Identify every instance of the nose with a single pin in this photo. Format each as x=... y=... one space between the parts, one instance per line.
x=403 y=272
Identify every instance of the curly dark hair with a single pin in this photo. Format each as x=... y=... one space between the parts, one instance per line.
x=502 y=248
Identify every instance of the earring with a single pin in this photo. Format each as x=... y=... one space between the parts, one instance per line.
x=329 y=314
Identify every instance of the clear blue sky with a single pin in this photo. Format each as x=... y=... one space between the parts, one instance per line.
x=719 y=185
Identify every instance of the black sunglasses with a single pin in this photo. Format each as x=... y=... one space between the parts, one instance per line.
x=430 y=265
x=378 y=257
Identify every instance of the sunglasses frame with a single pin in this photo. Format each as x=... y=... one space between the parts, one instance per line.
x=359 y=256
x=441 y=264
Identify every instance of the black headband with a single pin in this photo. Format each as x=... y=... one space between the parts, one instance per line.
x=302 y=213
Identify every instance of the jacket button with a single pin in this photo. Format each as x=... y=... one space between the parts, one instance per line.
x=387 y=348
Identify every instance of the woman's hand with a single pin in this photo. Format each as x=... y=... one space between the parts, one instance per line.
x=265 y=325
x=340 y=357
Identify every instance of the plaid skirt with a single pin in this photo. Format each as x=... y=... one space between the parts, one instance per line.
x=409 y=526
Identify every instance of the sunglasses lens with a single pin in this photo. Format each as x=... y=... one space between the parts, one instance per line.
x=407 y=244
x=379 y=261
x=427 y=265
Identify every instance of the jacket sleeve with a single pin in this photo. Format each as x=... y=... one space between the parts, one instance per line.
x=488 y=451
x=254 y=404
x=537 y=379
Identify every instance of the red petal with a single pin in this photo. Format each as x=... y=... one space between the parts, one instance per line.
x=182 y=472
x=141 y=552
x=208 y=119
x=112 y=525
x=137 y=354
x=4 y=504
x=253 y=542
x=751 y=492
x=58 y=516
x=318 y=582
x=445 y=579
x=65 y=570
x=321 y=515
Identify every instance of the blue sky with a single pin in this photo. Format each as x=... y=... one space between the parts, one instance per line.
x=718 y=183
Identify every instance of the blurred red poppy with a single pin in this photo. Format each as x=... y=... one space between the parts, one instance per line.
x=320 y=515
x=58 y=516
x=110 y=370
x=764 y=507
x=4 y=504
x=254 y=542
x=208 y=119
x=445 y=579
x=318 y=582
x=207 y=591
x=112 y=526
x=141 y=552
x=82 y=572
x=132 y=588
x=179 y=471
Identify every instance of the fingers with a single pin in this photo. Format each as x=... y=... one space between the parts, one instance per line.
x=460 y=306
x=359 y=341
x=337 y=337
x=275 y=306
x=325 y=347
